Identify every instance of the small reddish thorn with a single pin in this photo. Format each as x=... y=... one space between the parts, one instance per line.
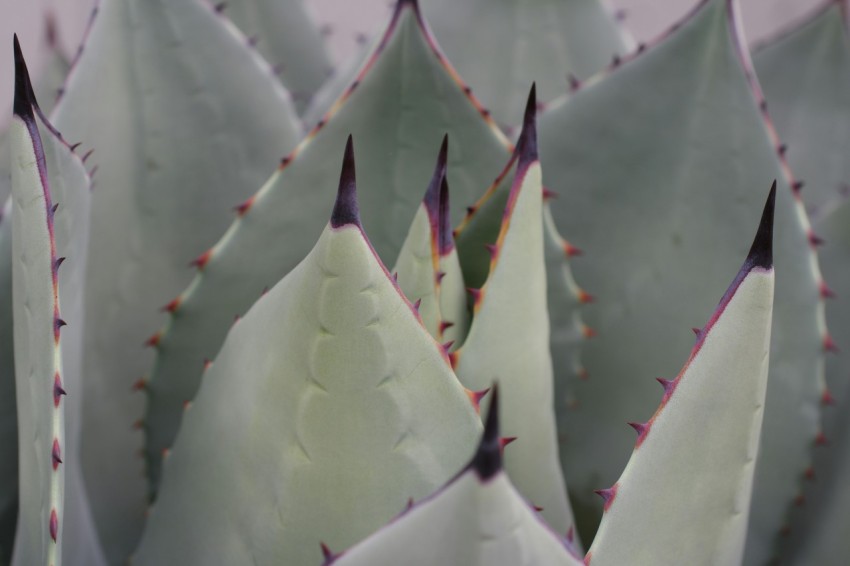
x=607 y=496
x=75 y=146
x=820 y=439
x=285 y=161
x=417 y=304
x=440 y=275
x=467 y=90
x=615 y=61
x=640 y=428
x=474 y=293
x=54 y=525
x=667 y=384
x=809 y=474
x=54 y=208
x=87 y=154
x=584 y=297
x=696 y=331
x=641 y=47
x=153 y=341
x=504 y=441
x=56 y=454
x=476 y=396
x=549 y=194
x=815 y=240
x=219 y=8
x=166 y=452
x=253 y=40
x=264 y=291
x=797 y=186
x=326 y=552
x=582 y=374
x=172 y=306
x=493 y=249
x=447 y=346
x=445 y=325
x=825 y=291
x=783 y=147
x=538 y=508
x=186 y=405
x=827 y=399
x=571 y=250
x=140 y=384
x=201 y=261
x=573 y=82
x=59 y=261
x=763 y=105
x=588 y=332
x=470 y=210
x=829 y=344
x=207 y=364
x=58 y=391
x=571 y=535
x=395 y=276
x=409 y=504
x=241 y=209
x=320 y=125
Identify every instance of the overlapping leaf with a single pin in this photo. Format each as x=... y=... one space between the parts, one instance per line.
x=477 y=519
x=500 y=47
x=684 y=496
x=178 y=140
x=660 y=163
x=328 y=407
x=50 y=211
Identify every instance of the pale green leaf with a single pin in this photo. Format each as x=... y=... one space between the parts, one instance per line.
x=500 y=47
x=287 y=37
x=55 y=524
x=508 y=340
x=684 y=496
x=328 y=407
x=660 y=163
x=185 y=120
x=405 y=101
x=477 y=519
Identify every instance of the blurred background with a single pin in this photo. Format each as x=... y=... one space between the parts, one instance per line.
x=347 y=22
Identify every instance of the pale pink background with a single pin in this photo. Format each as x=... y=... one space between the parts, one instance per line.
x=345 y=20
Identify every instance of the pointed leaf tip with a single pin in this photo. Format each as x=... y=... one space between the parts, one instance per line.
x=24 y=96
x=527 y=143
x=346 y=211
x=432 y=194
x=445 y=236
x=761 y=252
x=487 y=461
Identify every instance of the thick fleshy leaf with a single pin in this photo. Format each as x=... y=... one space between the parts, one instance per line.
x=286 y=36
x=500 y=47
x=328 y=407
x=508 y=339
x=477 y=519
x=50 y=211
x=277 y=227
x=684 y=496
x=177 y=141
x=428 y=269
x=8 y=412
x=806 y=77
x=659 y=164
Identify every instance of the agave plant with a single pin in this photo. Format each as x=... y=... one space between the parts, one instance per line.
x=298 y=393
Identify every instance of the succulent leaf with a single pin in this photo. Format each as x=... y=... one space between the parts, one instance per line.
x=501 y=47
x=178 y=142
x=286 y=36
x=428 y=269
x=508 y=339
x=674 y=189
x=479 y=518
x=50 y=211
x=272 y=235
x=8 y=412
x=684 y=496
x=328 y=407
x=805 y=76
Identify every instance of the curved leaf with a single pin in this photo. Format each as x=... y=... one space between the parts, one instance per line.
x=508 y=339
x=344 y=408
x=477 y=519
x=286 y=36
x=500 y=47
x=276 y=228
x=49 y=223
x=177 y=142
x=684 y=496
x=8 y=412
x=657 y=165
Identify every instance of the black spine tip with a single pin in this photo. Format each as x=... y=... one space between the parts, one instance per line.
x=487 y=461
x=527 y=144
x=445 y=238
x=24 y=97
x=432 y=194
x=761 y=252
x=346 y=211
